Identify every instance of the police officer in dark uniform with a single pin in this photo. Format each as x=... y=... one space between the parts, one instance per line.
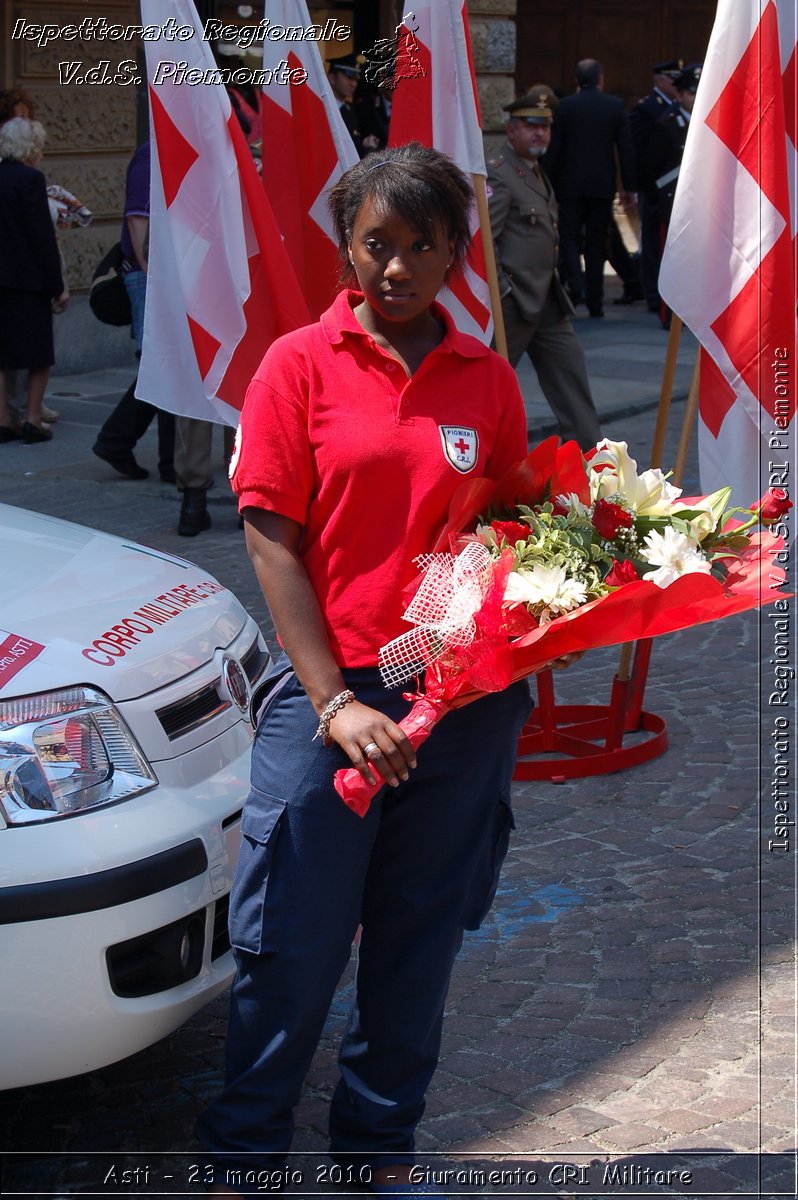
x=661 y=100
x=536 y=310
x=344 y=76
x=663 y=155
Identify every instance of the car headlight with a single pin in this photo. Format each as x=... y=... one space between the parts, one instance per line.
x=64 y=752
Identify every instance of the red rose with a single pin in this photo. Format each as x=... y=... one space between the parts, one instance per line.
x=621 y=573
x=511 y=531
x=774 y=504
x=609 y=518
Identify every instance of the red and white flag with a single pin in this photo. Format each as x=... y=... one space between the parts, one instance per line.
x=435 y=102
x=729 y=267
x=220 y=286
x=306 y=149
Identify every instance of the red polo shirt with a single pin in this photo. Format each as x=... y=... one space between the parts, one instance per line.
x=336 y=437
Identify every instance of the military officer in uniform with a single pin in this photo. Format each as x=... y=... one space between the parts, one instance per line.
x=660 y=101
x=537 y=312
x=662 y=159
x=663 y=156
x=344 y=76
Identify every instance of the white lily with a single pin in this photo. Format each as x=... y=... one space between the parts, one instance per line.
x=673 y=554
x=703 y=515
x=648 y=494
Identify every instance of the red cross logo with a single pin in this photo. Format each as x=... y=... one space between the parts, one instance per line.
x=460 y=445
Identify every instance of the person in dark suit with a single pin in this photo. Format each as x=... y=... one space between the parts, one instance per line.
x=536 y=310
x=31 y=280
x=590 y=143
x=661 y=100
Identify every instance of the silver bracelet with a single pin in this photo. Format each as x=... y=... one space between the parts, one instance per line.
x=336 y=704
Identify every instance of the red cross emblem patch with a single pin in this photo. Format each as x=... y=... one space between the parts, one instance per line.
x=460 y=446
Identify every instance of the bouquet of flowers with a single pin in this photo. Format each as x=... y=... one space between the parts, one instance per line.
x=65 y=208
x=565 y=554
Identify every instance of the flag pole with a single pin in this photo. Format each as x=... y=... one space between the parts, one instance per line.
x=490 y=263
x=687 y=424
x=666 y=391
x=660 y=430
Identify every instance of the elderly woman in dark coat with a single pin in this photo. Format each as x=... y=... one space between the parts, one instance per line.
x=31 y=282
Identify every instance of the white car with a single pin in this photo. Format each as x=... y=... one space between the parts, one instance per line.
x=125 y=682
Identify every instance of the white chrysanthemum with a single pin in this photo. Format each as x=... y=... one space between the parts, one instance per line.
x=647 y=495
x=546 y=586
x=674 y=554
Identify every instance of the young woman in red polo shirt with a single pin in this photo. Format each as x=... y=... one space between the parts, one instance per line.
x=355 y=433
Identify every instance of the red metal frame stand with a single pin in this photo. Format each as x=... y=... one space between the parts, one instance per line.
x=591 y=736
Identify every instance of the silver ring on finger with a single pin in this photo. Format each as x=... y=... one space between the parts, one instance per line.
x=372 y=750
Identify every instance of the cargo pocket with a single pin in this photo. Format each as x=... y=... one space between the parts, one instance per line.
x=253 y=899
x=486 y=877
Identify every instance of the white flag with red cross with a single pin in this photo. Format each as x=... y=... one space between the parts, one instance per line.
x=729 y=267
x=435 y=102
x=306 y=149
x=220 y=286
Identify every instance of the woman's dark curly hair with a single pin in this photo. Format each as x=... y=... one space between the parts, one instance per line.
x=421 y=184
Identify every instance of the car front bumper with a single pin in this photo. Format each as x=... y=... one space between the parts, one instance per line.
x=126 y=939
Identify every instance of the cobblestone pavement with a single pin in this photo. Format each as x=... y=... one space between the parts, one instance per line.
x=624 y=1022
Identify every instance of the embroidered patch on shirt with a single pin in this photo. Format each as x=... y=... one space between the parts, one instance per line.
x=460 y=446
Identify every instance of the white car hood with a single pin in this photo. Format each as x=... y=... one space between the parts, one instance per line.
x=82 y=607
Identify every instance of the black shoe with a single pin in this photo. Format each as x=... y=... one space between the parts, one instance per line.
x=167 y=473
x=125 y=464
x=35 y=433
x=194 y=515
x=596 y=312
x=626 y=298
x=9 y=433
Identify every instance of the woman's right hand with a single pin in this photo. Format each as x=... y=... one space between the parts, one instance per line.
x=357 y=729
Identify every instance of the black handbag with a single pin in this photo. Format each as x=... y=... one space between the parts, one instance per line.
x=108 y=298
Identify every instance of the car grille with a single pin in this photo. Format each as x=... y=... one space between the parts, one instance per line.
x=192 y=711
x=220 y=943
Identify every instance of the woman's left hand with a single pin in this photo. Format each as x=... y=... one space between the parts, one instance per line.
x=566 y=660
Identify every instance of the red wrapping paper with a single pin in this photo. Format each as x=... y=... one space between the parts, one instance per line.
x=637 y=610
x=418 y=725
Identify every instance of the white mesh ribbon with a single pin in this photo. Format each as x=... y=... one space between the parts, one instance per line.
x=442 y=611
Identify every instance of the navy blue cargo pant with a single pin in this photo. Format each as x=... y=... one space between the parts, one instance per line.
x=416 y=871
